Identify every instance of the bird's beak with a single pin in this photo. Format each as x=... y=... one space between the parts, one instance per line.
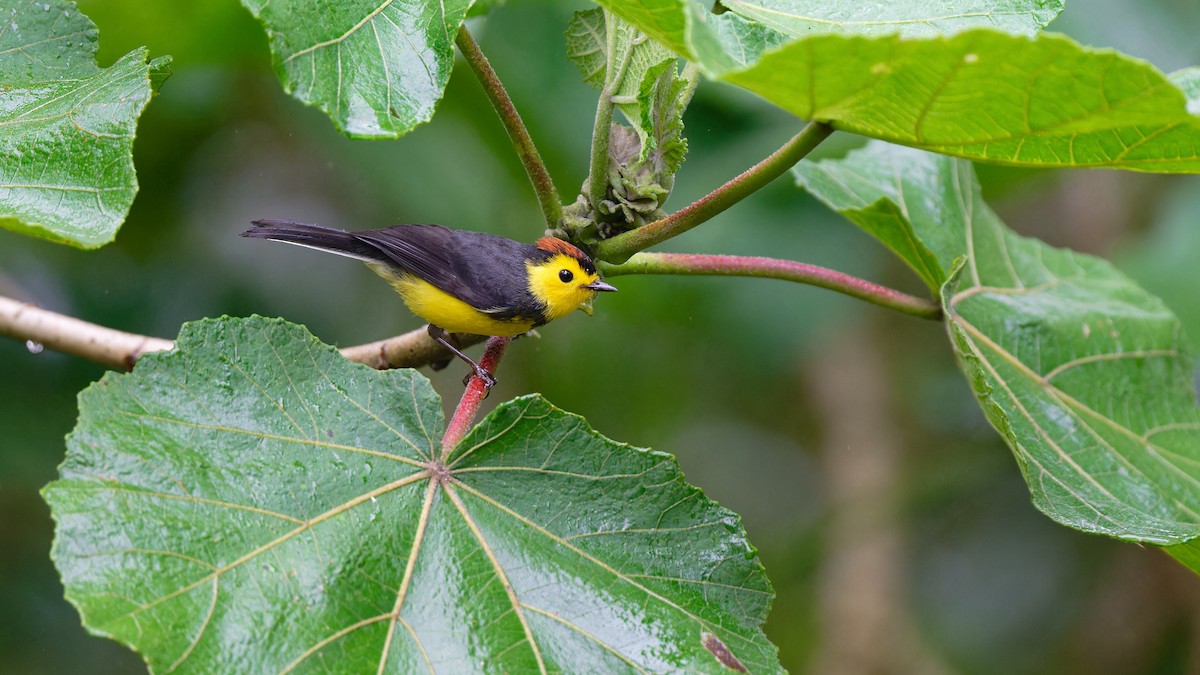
x=598 y=285
x=595 y=286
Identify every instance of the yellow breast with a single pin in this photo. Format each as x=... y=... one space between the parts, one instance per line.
x=446 y=311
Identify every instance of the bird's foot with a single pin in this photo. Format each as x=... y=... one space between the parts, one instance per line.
x=478 y=371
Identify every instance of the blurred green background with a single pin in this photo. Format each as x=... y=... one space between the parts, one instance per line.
x=891 y=519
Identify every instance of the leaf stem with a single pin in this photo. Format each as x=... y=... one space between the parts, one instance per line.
x=621 y=247
x=772 y=268
x=605 y=106
x=598 y=168
x=477 y=390
x=522 y=142
x=120 y=350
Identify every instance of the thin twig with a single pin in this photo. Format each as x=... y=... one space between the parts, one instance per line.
x=477 y=390
x=522 y=142
x=619 y=248
x=121 y=350
x=771 y=268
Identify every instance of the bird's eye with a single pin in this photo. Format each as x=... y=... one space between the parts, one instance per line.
x=565 y=276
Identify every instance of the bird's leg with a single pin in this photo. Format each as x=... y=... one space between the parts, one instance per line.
x=442 y=364
x=443 y=338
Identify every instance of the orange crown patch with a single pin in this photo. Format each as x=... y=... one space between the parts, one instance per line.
x=555 y=245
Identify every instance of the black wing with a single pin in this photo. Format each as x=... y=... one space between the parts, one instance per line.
x=423 y=250
x=483 y=270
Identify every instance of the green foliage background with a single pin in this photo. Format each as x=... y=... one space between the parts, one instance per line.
x=720 y=372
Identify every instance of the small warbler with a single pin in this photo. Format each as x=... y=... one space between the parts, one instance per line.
x=461 y=281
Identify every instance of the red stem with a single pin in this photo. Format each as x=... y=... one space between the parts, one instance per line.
x=771 y=268
x=477 y=390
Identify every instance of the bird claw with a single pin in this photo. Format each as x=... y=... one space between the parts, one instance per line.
x=489 y=380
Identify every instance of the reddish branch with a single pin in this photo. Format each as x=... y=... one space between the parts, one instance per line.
x=477 y=390
x=771 y=268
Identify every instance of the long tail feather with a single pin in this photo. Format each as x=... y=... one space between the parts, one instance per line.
x=317 y=237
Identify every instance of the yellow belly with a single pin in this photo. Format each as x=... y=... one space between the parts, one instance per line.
x=446 y=311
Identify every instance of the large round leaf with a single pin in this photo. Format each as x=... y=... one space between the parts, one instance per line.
x=982 y=94
x=1084 y=374
x=375 y=67
x=253 y=502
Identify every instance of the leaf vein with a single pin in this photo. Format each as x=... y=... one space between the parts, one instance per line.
x=499 y=569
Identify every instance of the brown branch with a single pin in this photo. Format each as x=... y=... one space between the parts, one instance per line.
x=121 y=350
x=113 y=348
x=409 y=350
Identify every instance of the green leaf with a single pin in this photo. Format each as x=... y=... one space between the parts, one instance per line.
x=1000 y=98
x=612 y=55
x=587 y=45
x=742 y=42
x=1082 y=372
x=160 y=70
x=252 y=501
x=912 y=19
x=980 y=94
x=66 y=126
x=682 y=27
x=661 y=123
x=376 y=69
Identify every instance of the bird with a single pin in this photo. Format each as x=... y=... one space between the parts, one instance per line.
x=461 y=281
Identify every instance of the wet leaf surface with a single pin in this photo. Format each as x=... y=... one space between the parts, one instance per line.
x=982 y=94
x=253 y=502
x=1083 y=373
x=66 y=125
x=376 y=68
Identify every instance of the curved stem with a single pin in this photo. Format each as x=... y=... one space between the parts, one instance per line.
x=121 y=350
x=771 y=268
x=522 y=142
x=477 y=390
x=621 y=247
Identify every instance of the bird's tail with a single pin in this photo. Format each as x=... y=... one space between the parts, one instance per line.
x=316 y=237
